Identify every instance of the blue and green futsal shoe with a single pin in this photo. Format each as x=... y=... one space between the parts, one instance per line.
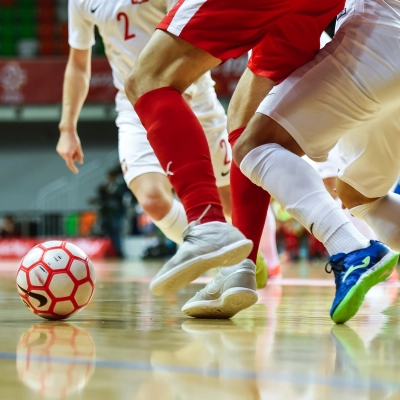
x=356 y=273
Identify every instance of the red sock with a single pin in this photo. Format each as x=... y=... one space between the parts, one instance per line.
x=180 y=145
x=249 y=203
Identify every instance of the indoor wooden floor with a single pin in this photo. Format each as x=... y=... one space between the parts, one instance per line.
x=128 y=344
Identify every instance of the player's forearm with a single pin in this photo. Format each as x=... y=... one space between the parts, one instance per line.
x=75 y=90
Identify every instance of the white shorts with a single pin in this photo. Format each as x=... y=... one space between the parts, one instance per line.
x=349 y=93
x=136 y=154
x=328 y=168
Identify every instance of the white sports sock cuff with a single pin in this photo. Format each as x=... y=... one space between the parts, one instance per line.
x=365 y=209
x=253 y=159
x=171 y=217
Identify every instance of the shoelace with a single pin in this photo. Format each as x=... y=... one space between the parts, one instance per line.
x=186 y=232
x=337 y=268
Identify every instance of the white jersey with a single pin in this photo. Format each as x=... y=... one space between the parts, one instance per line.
x=125 y=26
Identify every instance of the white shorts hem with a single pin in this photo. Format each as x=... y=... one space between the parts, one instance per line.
x=362 y=189
x=131 y=175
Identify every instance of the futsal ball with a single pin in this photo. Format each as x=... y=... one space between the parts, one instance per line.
x=55 y=280
x=56 y=360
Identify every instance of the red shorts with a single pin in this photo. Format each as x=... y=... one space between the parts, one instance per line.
x=284 y=34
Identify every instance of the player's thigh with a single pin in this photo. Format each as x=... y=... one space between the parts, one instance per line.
x=370 y=159
x=135 y=152
x=248 y=95
x=167 y=60
x=195 y=36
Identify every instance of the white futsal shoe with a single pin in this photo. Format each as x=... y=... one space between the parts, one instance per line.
x=231 y=291
x=205 y=246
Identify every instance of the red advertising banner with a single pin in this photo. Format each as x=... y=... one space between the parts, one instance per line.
x=40 y=81
x=95 y=248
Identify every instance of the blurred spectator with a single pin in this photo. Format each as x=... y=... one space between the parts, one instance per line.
x=111 y=209
x=9 y=228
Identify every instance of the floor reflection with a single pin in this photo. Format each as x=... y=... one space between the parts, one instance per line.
x=285 y=347
x=56 y=359
x=217 y=362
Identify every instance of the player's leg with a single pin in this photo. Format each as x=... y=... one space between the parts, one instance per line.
x=272 y=153
x=328 y=171
x=146 y=179
x=268 y=246
x=166 y=67
x=368 y=169
x=281 y=52
x=249 y=202
x=382 y=213
x=154 y=194
x=249 y=93
x=234 y=288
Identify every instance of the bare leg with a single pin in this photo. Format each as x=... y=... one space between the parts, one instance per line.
x=154 y=194
x=225 y=195
x=249 y=93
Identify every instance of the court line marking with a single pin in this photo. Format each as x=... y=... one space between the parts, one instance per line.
x=305 y=379
x=276 y=282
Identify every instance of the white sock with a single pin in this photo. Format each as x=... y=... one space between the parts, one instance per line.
x=383 y=216
x=268 y=241
x=174 y=222
x=299 y=189
x=360 y=224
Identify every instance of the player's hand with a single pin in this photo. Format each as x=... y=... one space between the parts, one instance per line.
x=70 y=149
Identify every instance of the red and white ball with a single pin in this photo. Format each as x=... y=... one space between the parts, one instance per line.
x=55 y=280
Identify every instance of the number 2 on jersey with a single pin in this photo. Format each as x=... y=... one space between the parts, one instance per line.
x=125 y=17
x=224 y=145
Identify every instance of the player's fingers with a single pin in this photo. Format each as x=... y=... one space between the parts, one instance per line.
x=79 y=156
x=70 y=164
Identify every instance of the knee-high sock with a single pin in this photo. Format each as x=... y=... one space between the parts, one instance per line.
x=180 y=145
x=249 y=203
x=383 y=216
x=299 y=188
x=173 y=224
x=268 y=241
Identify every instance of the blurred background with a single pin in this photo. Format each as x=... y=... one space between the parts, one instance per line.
x=40 y=198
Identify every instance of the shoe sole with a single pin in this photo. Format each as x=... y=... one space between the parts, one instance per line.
x=183 y=274
x=351 y=303
x=229 y=304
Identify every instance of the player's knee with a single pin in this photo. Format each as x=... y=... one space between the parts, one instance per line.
x=241 y=148
x=136 y=84
x=154 y=202
x=130 y=87
x=238 y=153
